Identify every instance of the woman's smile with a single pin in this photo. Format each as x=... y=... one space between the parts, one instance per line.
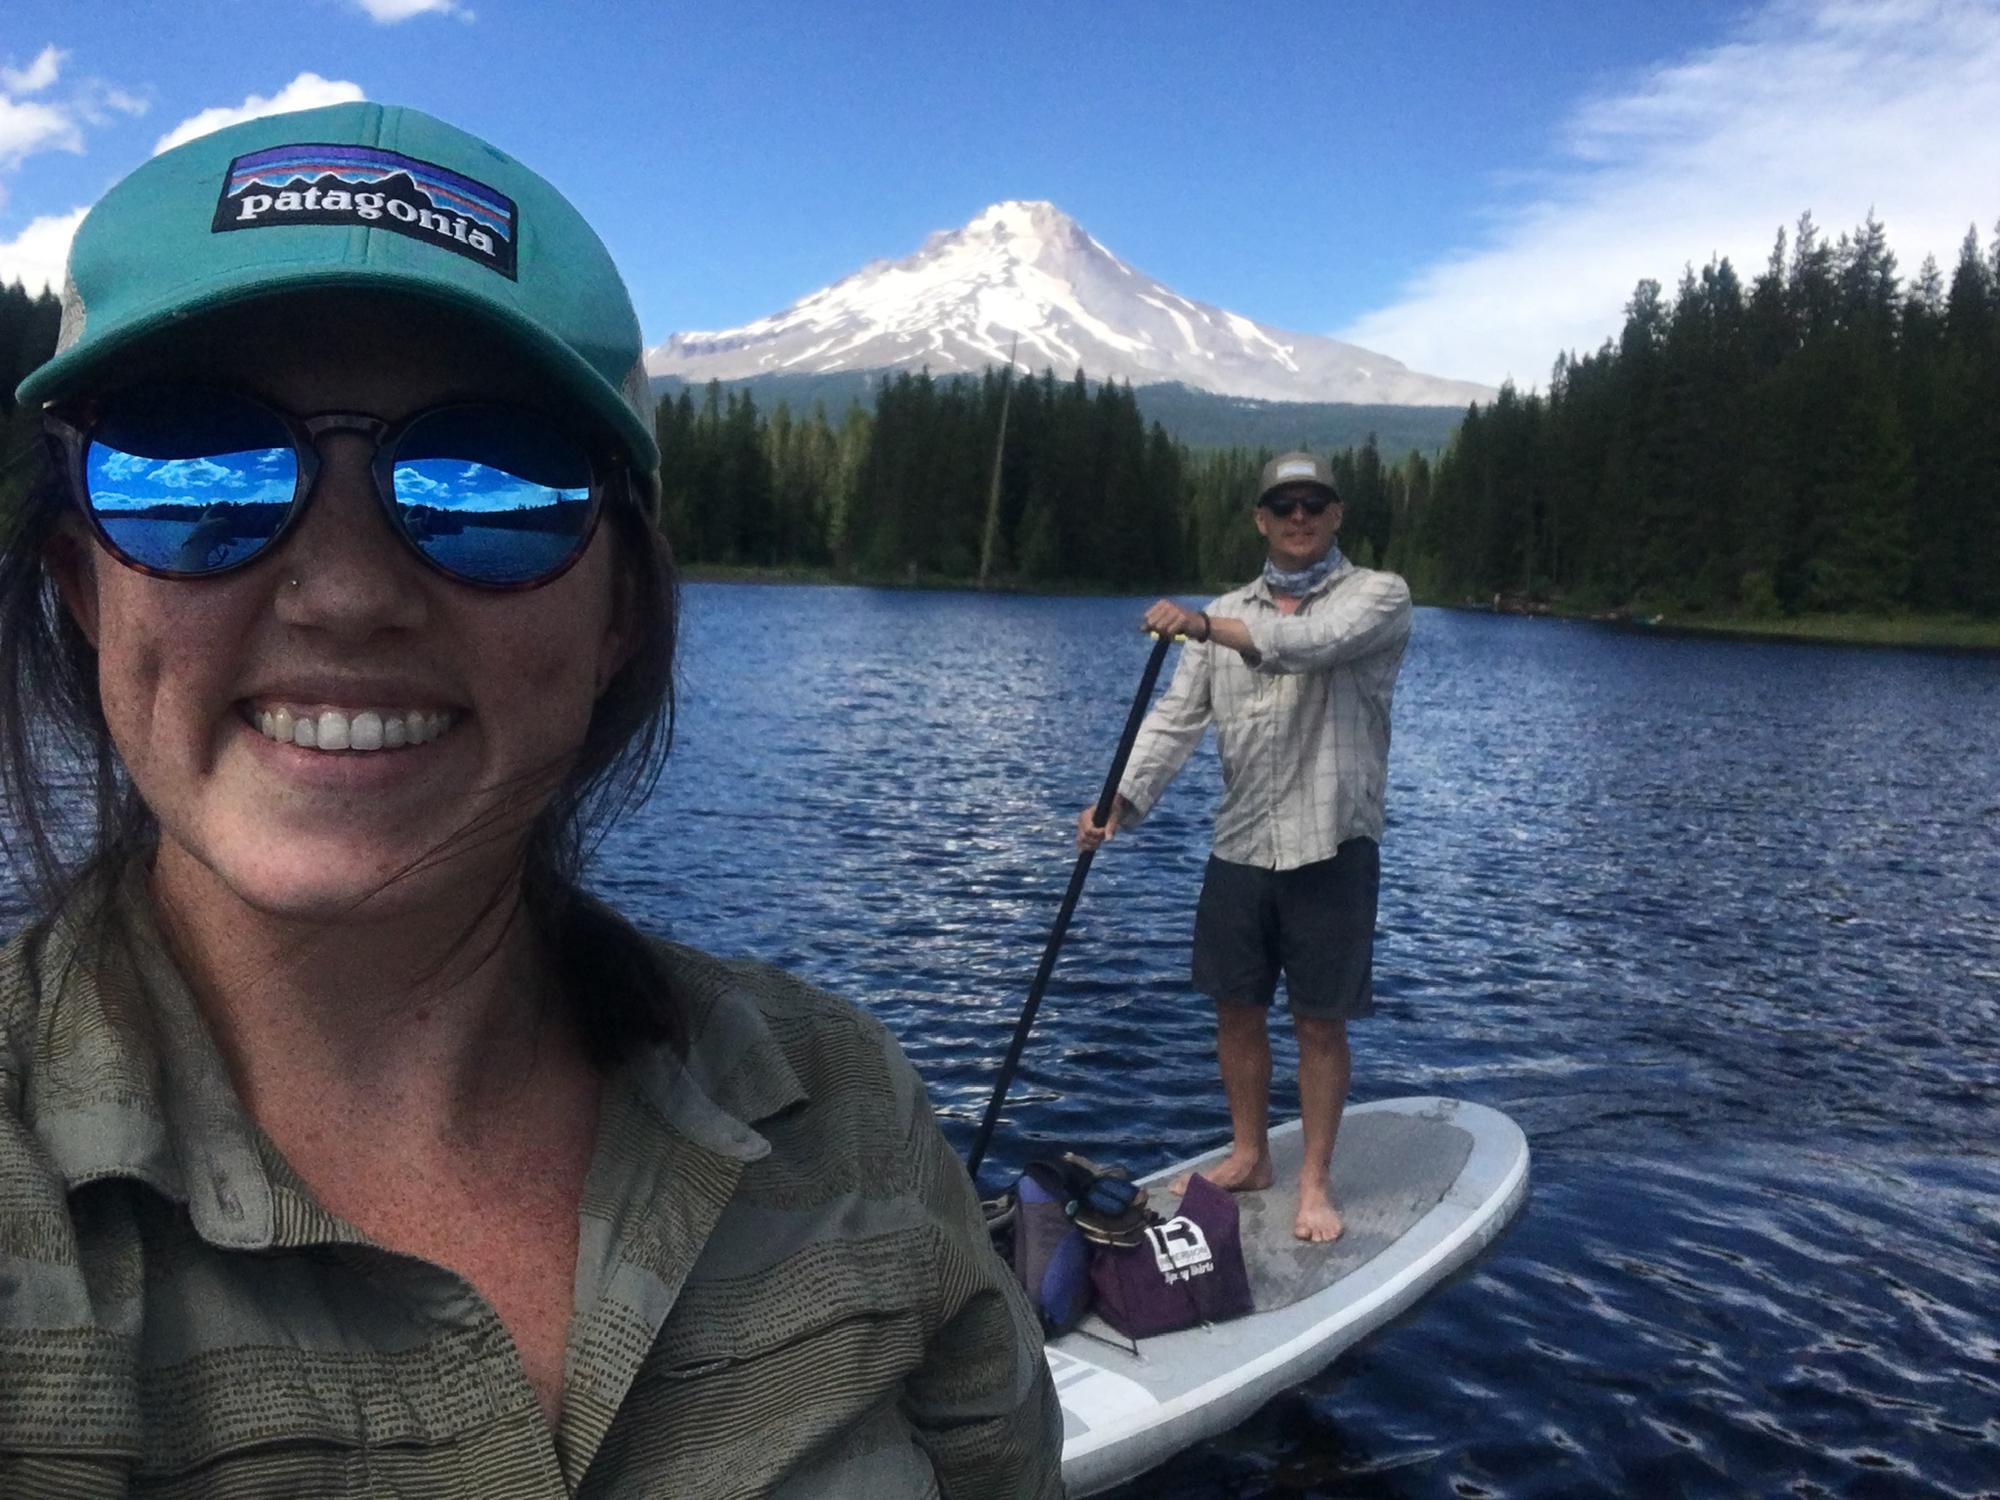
x=333 y=729
x=344 y=712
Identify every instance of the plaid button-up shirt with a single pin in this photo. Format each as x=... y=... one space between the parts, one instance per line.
x=783 y=1281
x=1304 y=734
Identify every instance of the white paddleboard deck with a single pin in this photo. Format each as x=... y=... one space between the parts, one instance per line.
x=1422 y=1186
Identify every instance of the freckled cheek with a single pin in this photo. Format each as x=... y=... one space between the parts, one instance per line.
x=549 y=685
x=538 y=653
x=161 y=675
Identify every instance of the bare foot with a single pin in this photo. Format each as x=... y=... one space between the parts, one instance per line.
x=1239 y=1172
x=1318 y=1222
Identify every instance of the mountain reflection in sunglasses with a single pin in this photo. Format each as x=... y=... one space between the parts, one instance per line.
x=188 y=482
x=1283 y=506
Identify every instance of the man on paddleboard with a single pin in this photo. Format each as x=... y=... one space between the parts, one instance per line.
x=1296 y=670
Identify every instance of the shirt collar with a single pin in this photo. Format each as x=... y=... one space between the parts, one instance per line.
x=123 y=1079
x=735 y=1075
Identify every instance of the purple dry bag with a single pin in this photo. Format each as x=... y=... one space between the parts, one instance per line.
x=1186 y=1270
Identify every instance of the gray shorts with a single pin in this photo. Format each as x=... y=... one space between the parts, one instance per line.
x=1315 y=924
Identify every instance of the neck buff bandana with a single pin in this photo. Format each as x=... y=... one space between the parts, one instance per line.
x=1305 y=580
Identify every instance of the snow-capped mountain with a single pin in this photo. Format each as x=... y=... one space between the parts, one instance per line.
x=1028 y=271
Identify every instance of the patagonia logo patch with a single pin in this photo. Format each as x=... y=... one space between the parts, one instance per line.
x=1298 y=468
x=362 y=187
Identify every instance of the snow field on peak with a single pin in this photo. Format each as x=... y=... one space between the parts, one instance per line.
x=1023 y=272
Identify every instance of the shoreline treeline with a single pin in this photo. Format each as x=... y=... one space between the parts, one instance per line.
x=1825 y=440
x=1089 y=493
x=28 y=329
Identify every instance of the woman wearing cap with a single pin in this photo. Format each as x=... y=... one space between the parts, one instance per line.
x=346 y=1147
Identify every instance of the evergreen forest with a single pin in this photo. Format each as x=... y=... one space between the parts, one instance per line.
x=1826 y=440
x=28 y=327
x=1823 y=440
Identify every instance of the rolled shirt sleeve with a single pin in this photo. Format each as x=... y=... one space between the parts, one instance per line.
x=1371 y=615
x=1170 y=732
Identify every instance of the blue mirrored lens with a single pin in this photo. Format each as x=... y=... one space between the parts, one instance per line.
x=189 y=482
x=492 y=494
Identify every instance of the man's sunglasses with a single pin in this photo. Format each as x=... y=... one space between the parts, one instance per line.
x=1283 y=505
x=191 y=482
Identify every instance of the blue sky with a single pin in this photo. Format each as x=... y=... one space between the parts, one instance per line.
x=1465 y=187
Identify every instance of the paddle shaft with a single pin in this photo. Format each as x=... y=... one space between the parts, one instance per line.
x=1076 y=878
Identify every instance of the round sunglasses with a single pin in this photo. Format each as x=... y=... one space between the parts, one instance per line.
x=189 y=482
x=1283 y=506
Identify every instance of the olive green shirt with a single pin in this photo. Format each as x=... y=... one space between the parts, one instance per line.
x=783 y=1283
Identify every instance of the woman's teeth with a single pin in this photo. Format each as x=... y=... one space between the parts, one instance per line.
x=371 y=729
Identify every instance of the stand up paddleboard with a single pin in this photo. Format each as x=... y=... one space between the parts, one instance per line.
x=1422 y=1185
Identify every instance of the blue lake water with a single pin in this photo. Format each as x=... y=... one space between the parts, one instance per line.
x=1717 y=923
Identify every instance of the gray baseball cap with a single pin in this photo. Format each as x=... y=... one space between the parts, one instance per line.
x=1296 y=468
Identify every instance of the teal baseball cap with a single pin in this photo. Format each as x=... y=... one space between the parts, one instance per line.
x=366 y=196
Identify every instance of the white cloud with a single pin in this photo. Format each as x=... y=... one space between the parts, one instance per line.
x=389 y=12
x=187 y=473
x=411 y=481
x=96 y=101
x=36 y=255
x=307 y=91
x=1837 y=107
x=27 y=126
x=38 y=74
